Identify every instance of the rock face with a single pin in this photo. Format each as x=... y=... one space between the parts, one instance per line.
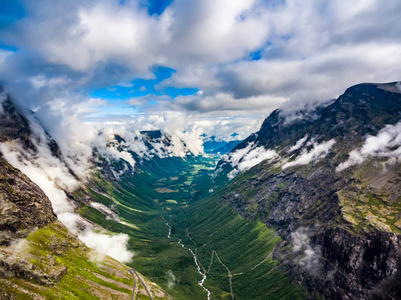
x=24 y=209
x=341 y=228
x=23 y=205
x=13 y=125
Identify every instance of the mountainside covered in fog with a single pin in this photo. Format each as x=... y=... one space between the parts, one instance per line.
x=41 y=258
x=308 y=207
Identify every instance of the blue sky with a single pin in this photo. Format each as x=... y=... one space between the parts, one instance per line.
x=216 y=65
x=10 y=12
x=142 y=87
x=118 y=95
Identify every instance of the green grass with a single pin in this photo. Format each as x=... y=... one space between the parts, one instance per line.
x=244 y=247
x=367 y=206
x=54 y=248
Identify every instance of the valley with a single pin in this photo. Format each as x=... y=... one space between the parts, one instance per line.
x=303 y=210
x=200 y=150
x=184 y=238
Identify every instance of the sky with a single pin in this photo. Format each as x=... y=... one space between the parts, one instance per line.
x=216 y=67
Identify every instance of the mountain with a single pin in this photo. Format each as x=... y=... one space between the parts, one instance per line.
x=213 y=146
x=133 y=200
x=308 y=207
x=39 y=257
x=331 y=187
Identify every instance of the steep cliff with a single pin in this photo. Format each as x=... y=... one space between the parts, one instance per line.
x=23 y=205
x=332 y=190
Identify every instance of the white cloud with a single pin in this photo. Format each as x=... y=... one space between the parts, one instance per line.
x=254 y=157
x=114 y=246
x=102 y=31
x=309 y=52
x=245 y=158
x=298 y=144
x=317 y=152
x=308 y=256
x=126 y=84
x=40 y=81
x=171 y=279
x=4 y=54
x=387 y=144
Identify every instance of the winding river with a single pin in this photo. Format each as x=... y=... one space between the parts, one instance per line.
x=196 y=263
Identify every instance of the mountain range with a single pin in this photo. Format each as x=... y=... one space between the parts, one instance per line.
x=308 y=207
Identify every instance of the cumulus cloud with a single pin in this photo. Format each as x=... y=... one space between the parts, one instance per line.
x=307 y=52
x=317 y=152
x=101 y=31
x=386 y=144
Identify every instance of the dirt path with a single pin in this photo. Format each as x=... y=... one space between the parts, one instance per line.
x=230 y=275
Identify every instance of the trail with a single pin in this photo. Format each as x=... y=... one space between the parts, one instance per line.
x=228 y=270
x=133 y=273
x=266 y=258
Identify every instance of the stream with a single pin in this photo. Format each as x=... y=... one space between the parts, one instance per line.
x=196 y=263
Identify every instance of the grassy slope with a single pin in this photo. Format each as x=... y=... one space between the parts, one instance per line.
x=86 y=275
x=366 y=203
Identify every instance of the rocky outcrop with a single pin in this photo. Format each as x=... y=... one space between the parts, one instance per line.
x=15 y=266
x=340 y=231
x=23 y=205
x=355 y=265
x=13 y=125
